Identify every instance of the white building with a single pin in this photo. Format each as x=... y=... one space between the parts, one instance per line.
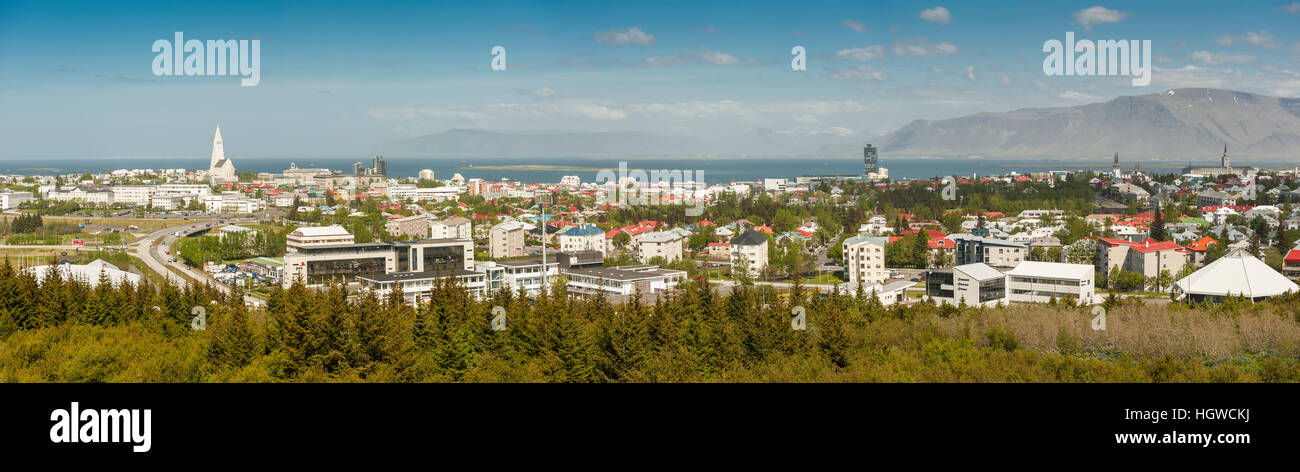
x=88 y=273
x=864 y=258
x=506 y=240
x=971 y=284
x=317 y=236
x=220 y=169
x=232 y=203
x=133 y=194
x=9 y=200
x=92 y=196
x=426 y=174
x=583 y=238
x=749 y=250
x=1038 y=282
x=1235 y=274
x=665 y=244
x=622 y=280
x=451 y=228
x=888 y=294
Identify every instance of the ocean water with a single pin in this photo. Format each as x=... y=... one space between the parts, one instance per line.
x=710 y=170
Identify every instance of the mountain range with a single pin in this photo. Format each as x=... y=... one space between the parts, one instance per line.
x=1191 y=123
x=1180 y=124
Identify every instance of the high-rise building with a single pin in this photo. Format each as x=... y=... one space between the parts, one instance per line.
x=870 y=164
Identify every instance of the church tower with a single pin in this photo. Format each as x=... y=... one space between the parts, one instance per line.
x=1226 y=162
x=218 y=152
x=220 y=169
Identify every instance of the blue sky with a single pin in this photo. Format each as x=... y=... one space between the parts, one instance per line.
x=341 y=77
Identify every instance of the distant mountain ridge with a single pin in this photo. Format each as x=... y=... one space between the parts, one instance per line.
x=1191 y=123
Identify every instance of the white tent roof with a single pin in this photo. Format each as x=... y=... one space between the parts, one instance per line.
x=1236 y=273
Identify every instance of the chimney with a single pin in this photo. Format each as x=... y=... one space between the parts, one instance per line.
x=1148 y=243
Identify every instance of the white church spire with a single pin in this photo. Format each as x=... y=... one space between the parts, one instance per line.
x=218 y=153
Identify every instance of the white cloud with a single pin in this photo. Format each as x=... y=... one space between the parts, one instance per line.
x=854 y=25
x=936 y=15
x=703 y=55
x=935 y=70
x=717 y=57
x=1260 y=39
x=1293 y=8
x=663 y=61
x=921 y=47
x=970 y=72
x=1004 y=79
x=632 y=35
x=1098 y=15
x=1216 y=58
x=862 y=54
x=1078 y=96
x=858 y=73
x=544 y=92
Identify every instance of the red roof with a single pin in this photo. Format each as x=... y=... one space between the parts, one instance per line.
x=941 y=243
x=1147 y=245
x=1202 y=244
x=1293 y=256
x=719 y=244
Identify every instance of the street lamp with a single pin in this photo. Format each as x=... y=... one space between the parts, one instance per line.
x=543 y=199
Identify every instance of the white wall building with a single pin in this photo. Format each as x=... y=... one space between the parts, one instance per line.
x=864 y=258
x=1039 y=282
x=665 y=244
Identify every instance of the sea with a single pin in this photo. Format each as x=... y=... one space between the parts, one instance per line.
x=708 y=170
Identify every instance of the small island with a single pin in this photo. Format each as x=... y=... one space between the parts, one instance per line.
x=533 y=167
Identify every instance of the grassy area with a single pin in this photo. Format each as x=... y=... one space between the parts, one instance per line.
x=824 y=279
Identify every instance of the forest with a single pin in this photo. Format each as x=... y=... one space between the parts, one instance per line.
x=60 y=330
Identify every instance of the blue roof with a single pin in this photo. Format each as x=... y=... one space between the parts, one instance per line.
x=585 y=230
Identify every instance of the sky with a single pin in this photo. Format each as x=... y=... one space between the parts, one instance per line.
x=339 y=78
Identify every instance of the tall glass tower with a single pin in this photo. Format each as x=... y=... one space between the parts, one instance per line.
x=869 y=163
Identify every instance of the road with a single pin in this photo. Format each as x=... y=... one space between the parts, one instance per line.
x=150 y=251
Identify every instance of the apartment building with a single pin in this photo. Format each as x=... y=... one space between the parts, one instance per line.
x=665 y=244
x=451 y=228
x=749 y=250
x=583 y=238
x=414 y=227
x=1148 y=257
x=134 y=194
x=506 y=240
x=971 y=249
x=864 y=258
